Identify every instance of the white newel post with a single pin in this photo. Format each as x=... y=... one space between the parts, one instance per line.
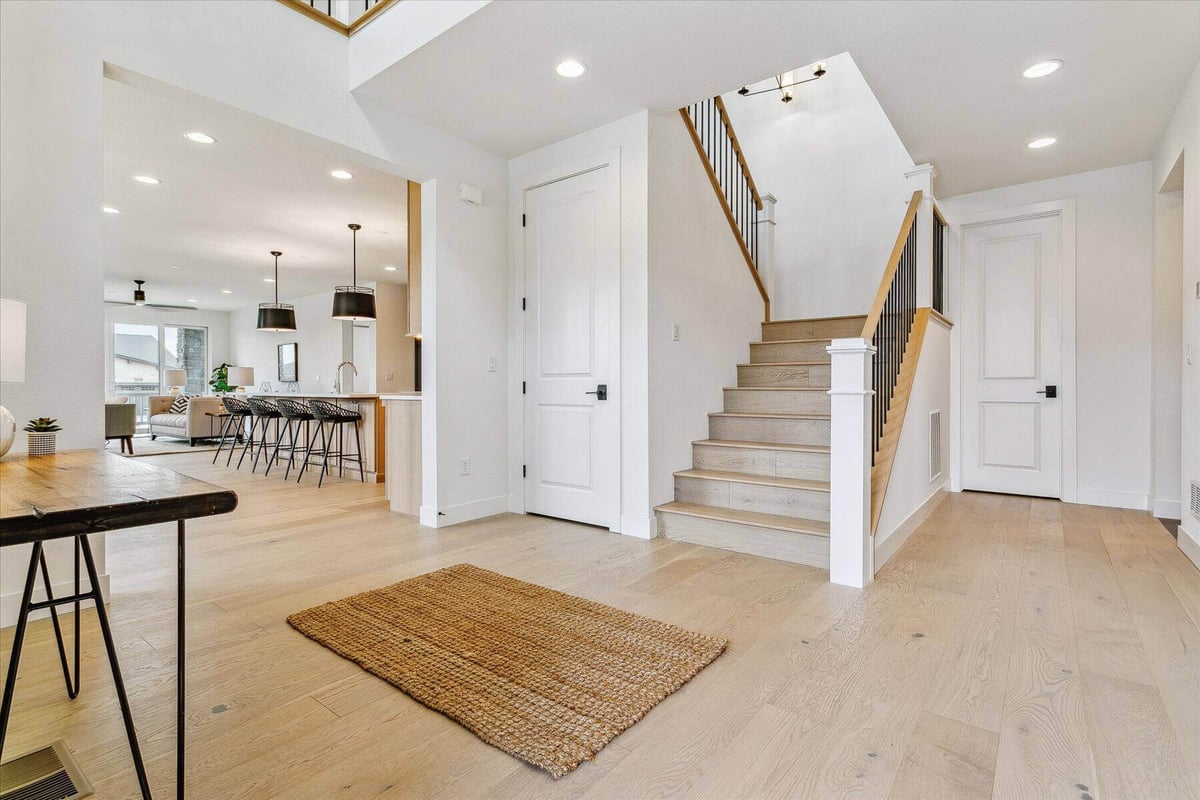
x=851 y=551
x=766 y=244
x=921 y=177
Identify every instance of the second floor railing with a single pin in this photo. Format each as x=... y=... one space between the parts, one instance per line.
x=708 y=123
x=344 y=16
x=891 y=317
x=939 y=262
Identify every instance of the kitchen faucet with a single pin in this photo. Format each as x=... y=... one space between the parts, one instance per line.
x=337 y=379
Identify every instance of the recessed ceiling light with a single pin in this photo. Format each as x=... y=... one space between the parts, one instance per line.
x=1042 y=68
x=227 y=291
x=200 y=138
x=341 y=175
x=111 y=210
x=176 y=266
x=390 y=269
x=570 y=68
x=146 y=179
x=191 y=300
x=1038 y=144
x=268 y=280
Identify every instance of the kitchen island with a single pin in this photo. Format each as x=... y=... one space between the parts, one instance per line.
x=372 y=429
x=403 y=411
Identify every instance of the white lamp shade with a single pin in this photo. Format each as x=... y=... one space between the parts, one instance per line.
x=240 y=376
x=175 y=377
x=12 y=340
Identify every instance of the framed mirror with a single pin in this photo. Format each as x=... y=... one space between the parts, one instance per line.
x=289 y=370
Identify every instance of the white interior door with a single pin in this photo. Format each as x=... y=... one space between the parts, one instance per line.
x=1011 y=353
x=572 y=268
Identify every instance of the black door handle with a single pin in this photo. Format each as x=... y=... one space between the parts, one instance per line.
x=1051 y=391
x=601 y=391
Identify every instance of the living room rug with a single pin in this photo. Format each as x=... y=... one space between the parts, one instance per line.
x=145 y=446
x=544 y=676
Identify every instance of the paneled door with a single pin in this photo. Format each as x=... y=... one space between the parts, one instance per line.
x=572 y=305
x=1012 y=356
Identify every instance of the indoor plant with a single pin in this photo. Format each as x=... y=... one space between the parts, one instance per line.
x=219 y=380
x=42 y=436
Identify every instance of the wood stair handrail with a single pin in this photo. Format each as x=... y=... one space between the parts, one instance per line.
x=737 y=149
x=716 y=185
x=335 y=24
x=881 y=295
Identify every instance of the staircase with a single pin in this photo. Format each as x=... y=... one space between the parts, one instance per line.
x=760 y=483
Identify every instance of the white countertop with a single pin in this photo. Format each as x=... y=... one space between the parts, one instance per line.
x=320 y=395
x=403 y=396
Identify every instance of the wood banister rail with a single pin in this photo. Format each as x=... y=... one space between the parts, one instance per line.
x=889 y=274
x=332 y=22
x=707 y=122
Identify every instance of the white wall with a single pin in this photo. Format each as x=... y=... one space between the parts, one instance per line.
x=1114 y=281
x=217 y=323
x=320 y=339
x=52 y=56
x=837 y=166
x=1167 y=346
x=1182 y=135
x=629 y=136
x=911 y=495
x=698 y=279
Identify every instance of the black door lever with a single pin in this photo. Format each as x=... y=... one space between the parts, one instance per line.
x=1051 y=391
x=601 y=391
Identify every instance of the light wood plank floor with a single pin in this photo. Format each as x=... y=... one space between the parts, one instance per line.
x=1014 y=648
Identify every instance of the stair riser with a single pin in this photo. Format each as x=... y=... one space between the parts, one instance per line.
x=763 y=375
x=785 y=402
x=763 y=352
x=798 y=548
x=760 y=461
x=813 y=329
x=778 y=431
x=781 y=500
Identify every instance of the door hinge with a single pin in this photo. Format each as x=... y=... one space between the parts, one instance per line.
x=522 y=220
x=522 y=303
x=522 y=387
x=524 y=471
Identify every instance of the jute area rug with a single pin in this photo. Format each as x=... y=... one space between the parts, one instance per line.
x=545 y=676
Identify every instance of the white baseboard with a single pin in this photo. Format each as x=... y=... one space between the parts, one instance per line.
x=1167 y=509
x=1189 y=543
x=1113 y=498
x=887 y=546
x=10 y=602
x=464 y=512
x=639 y=526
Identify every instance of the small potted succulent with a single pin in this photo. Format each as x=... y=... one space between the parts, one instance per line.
x=43 y=436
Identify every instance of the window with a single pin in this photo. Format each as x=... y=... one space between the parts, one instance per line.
x=141 y=354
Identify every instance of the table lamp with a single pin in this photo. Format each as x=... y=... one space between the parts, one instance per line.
x=175 y=379
x=239 y=378
x=12 y=361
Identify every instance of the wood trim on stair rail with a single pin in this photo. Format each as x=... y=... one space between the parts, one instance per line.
x=885 y=283
x=716 y=185
x=881 y=472
x=337 y=25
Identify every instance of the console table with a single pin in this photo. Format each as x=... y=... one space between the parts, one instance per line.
x=80 y=492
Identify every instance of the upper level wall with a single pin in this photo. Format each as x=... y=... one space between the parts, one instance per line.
x=837 y=166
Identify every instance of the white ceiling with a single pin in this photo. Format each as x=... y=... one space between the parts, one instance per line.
x=947 y=74
x=221 y=208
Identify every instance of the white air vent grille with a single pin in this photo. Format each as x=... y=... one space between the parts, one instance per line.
x=935 y=445
x=1195 y=504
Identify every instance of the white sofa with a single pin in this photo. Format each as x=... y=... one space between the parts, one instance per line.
x=196 y=424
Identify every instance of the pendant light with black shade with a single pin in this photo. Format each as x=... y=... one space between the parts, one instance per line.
x=276 y=316
x=354 y=302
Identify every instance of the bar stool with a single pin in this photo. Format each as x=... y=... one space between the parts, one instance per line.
x=263 y=412
x=296 y=412
x=232 y=426
x=327 y=413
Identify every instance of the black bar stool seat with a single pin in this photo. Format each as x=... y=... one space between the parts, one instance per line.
x=263 y=411
x=295 y=414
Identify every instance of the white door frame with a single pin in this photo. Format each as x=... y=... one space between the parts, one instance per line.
x=1065 y=210
x=518 y=186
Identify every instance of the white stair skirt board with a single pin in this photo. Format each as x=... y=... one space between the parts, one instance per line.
x=888 y=545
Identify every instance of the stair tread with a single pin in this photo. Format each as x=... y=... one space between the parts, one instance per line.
x=815 y=319
x=752 y=518
x=777 y=388
x=766 y=414
x=747 y=477
x=794 y=341
x=803 y=448
x=785 y=364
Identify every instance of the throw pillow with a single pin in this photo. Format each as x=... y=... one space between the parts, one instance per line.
x=180 y=405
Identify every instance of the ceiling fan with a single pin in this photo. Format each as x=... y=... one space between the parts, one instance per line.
x=139 y=299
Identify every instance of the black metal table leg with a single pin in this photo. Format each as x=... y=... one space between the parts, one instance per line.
x=180 y=672
x=10 y=680
x=72 y=684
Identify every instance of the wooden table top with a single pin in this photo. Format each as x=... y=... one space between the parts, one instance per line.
x=91 y=491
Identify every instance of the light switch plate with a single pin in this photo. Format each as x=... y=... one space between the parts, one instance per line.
x=674 y=331
x=491 y=363
x=465 y=466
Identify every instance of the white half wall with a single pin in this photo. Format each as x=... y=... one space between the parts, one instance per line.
x=629 y=137
x=1182 y=138
x=837 y=165
x=912 y=493
x=1114 y=299
x=700 y=282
